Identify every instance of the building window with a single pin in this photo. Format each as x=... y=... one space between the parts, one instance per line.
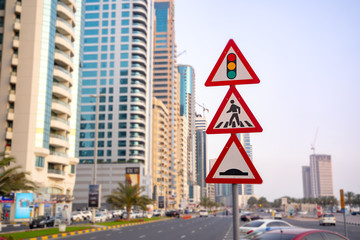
x=72 y=168
x=39 y=162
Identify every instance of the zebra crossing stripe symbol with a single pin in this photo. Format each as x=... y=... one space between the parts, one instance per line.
x=231 y=68
x=233 y=116
x=233 y=165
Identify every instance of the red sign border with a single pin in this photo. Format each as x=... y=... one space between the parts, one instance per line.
x=231 y=43
x=210 y=178
x=212 y=130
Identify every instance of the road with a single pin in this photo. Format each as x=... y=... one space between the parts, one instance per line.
x=178 y=228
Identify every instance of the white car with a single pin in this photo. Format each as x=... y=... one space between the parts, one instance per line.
x=203 y=213
x=76 y=217
x=132 y=215
x=100 y=217
x=278 y=215
x=327 y=218
x=87 y=214
x=249 y=227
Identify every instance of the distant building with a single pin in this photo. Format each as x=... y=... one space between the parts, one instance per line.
x=201 y=155
x=320 y=183
x=246 y=189
x=306 y=181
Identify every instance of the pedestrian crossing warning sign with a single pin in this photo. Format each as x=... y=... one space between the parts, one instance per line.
x=233 y=165
x=231 y=68
x=233 y=116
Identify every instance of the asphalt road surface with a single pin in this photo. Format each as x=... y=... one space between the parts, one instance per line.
x=214 y=228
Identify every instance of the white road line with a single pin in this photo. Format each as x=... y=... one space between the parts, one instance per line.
x=183 y=236
x=142 y=236
x=172 y=228
x=108 y=235
x=200 y=228
x=193 y=231
x=159 y=231
x=93 y=238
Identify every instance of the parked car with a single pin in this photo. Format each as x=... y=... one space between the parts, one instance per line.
x=76 y=217
x=203 y=213
x=100 y=217
x=248 y=228
x=173 y=213
x=299 y=234
x=42 y=222
x=327 y=218
x=158 y=213
x=355 y=213
x=278 y=215
x=260 y=231
x=87 y=215
x=132 y=215
x=246 y=217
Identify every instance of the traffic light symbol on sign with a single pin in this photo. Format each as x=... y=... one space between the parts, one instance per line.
x=231 y=65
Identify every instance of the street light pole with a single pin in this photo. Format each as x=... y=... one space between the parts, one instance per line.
x=97 y=97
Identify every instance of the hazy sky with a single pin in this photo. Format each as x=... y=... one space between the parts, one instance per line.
x=307 y=56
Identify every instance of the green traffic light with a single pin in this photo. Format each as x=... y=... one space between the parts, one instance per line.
x=231 y=74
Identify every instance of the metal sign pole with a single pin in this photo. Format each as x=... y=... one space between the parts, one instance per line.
x=235 y=195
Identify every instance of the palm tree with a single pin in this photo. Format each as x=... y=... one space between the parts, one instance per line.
x=128 y=196
x=11 y=179
x=205 y=202
x=349 y=197
x=252 y=202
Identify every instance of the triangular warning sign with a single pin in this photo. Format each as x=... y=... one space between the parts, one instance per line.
x=231 y=68
x=233 y=165
x=233 y=116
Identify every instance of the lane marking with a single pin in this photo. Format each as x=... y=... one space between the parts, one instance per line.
x=183 y=236
x=159 y=231
x=142 y=236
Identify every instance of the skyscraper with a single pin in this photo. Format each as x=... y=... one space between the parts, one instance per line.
x=321 y=182
x=202 y=164
x=117 y=74
x=187 y=109
x=246 y=189
x=166 y=84
x=39 y=90
x=317 y=178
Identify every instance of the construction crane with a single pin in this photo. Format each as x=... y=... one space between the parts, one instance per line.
x=181 y=53
x=313 y=144
x=204 y=108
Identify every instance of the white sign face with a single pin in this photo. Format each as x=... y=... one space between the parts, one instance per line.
x=233 y=166
x=241 y=72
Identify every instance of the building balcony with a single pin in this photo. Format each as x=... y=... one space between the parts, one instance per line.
x=16 y=42
x=65 y=12
x=63 y=59
x=140 y=3
x=57 y=159
x=17 y=25
x=59 y=141
x=60 y=107
x=60 y=124
x=61 y=91
x=139 y=26
x=139 y=9
x=12 y=96
x=64 y=44
x=13 y=78
x=139 y=34
x=70 y=3
x=14 y=60
x=62 y=75
x=65 y=28
x=9 y=133
x=56 y=173
x=18 y=7
x=10 y=115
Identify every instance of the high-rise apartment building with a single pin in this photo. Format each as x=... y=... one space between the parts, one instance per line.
x=165 y=83
x=202 y=164
x=318 y=178
x=306 y=181
x=39 y=90
x=246 y=189
x=116 y=73
x=187 y=110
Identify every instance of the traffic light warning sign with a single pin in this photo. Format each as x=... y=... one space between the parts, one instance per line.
x=233 y=116
x=233 y=165
x=231 y=68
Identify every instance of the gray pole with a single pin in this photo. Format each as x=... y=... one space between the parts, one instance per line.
x=235 y=195
x=95 y=149
x=345 y=228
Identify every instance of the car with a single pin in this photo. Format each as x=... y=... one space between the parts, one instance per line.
x=300 y=234
x=100 y=217
x=42 y=222
x=76 y=217
x=203 y=213
x=132 y=215
x=249 y=227
x=327 y=218
x=278 y=215
x=260 y=231
x=355 y=213
x=246 y=217
x=158 y=213
x=86 y=214
x=173 y=213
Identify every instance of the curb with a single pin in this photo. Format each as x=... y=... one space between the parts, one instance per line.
x=95 y=229
x=14 y=225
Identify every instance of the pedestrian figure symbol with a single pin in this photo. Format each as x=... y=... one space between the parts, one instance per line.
x=235 y=111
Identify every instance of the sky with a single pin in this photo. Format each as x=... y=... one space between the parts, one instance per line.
x=307 y=56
